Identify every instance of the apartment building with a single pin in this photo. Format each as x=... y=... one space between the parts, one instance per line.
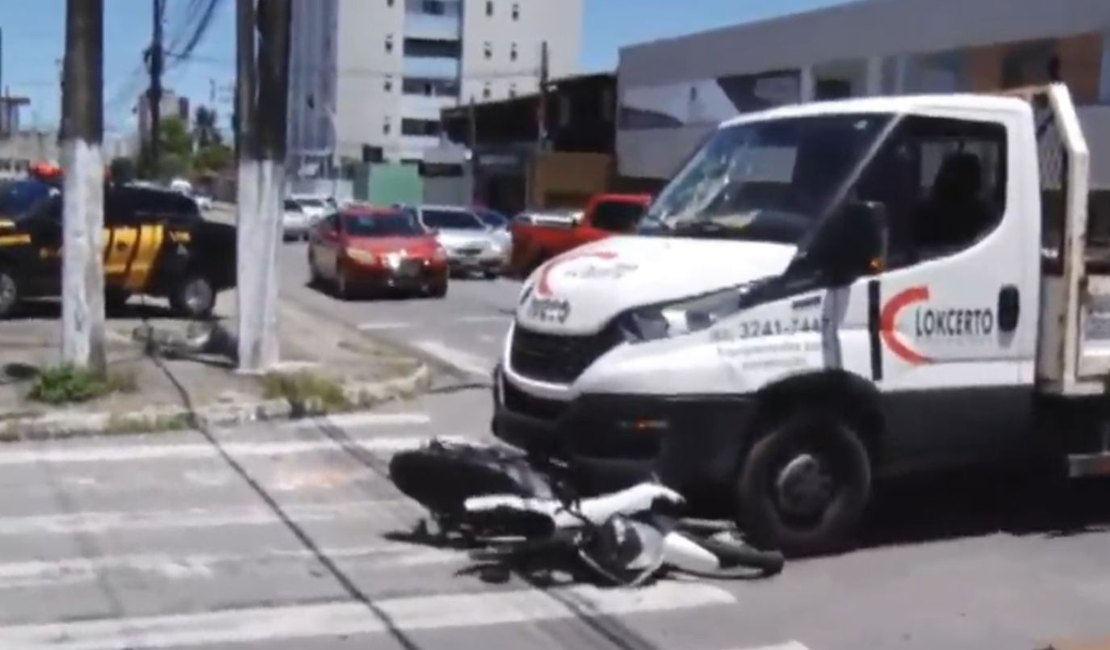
x=384 y=69
x=171 y=105
x=672 y=92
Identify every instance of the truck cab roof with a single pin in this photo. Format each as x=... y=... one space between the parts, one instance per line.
x=898 y=104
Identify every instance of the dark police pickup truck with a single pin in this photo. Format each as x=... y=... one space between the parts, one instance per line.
x=156 y=243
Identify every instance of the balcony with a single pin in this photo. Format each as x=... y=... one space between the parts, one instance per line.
x=433 y=27
x=431 y=67
x=425 y=107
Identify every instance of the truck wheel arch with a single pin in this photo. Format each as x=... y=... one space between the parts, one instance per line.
x=854 y=397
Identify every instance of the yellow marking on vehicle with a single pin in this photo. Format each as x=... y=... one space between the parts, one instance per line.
x=120 y=244
x=7 y=224
x=15 y=240
x=142 y=265
x=180 y=236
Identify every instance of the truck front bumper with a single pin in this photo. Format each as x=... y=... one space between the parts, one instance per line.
x=692 y=442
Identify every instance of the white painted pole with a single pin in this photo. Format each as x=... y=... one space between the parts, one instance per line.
x=83 y=188
x=261 y=179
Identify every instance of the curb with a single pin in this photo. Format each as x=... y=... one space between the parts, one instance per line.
x=56 y=427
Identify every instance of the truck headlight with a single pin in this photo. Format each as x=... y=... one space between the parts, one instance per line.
x=681 y=317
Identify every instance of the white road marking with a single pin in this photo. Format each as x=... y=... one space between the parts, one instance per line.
x=789 y=645
x=192 y=518
x=484 y=319
x=120 y=453
x=462 y=360
x=37 y=573
x=374 y=327
x=260 y=625
x=366 y=420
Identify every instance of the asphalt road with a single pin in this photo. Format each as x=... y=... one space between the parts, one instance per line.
x=290 y=537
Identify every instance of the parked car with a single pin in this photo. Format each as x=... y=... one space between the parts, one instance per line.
x=471 y=245
x=156 y=243
x=316 y=207
x=498 y=224
x=296 y=221
x=362 y=249
x=541 y=238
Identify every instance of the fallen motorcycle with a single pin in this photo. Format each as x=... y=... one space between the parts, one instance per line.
x=490 y=494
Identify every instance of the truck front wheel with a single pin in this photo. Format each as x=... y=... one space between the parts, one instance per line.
x=804 y=484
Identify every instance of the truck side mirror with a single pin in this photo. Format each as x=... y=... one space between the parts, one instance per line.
x=851 y=243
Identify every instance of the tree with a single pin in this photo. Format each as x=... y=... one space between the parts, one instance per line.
x=205 y=131
x=177 y=151
x=122 y=170
x=213 y=158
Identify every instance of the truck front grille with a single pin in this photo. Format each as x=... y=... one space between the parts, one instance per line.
x=558 y=358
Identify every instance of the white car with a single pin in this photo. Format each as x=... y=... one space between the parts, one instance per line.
x=316 y=207
x=296 y=222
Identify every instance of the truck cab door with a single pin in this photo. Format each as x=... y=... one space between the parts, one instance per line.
x=951 y=317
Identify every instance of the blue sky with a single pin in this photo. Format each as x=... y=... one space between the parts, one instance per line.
x=33 y=34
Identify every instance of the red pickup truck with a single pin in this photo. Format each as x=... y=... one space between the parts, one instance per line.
x=536 y=240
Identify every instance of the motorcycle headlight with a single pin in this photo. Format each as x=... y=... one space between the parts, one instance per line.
x=682 y=317
x=361 y=256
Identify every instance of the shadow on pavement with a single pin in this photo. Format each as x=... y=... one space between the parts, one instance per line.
x=976 y=503
x=52 y=310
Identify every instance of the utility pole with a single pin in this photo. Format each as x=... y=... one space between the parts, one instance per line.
x=261 y=179
x=472 y=141
x=83 y=187
x=541 y=132
x=155 y=56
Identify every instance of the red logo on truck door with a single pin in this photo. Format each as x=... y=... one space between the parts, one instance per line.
x=888 y=327
x=946 y=328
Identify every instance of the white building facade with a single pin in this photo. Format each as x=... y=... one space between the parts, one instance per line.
x=673 y=92
x=383 y=69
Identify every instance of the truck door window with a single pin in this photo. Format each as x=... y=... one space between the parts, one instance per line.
x=943 y=183
x=617 y=216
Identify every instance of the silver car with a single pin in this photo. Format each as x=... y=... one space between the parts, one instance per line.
x=471 y=245
x=295 y=221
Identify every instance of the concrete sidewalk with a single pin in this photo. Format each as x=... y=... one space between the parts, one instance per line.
x=166 y=373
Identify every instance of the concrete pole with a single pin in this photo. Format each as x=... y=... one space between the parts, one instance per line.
x=83 y=187
x=262 y=184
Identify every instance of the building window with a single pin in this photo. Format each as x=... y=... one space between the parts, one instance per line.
x=486 y=92
x=389 y=3
x=564 y=110
x=512 y=90
x=516 y=11
x=489 y=7
x=413 y=127
x=386 y=126
x=512 y=52
x=487 y=50
x=389 y=43
x=388 y=83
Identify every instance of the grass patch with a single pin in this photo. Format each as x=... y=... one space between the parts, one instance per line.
x=69 y=385
x=306 y=391
x=161 y=424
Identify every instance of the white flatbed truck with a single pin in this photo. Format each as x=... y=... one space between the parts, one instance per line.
x=826 y=294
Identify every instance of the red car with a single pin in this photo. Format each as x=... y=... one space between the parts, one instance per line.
x=376 y=250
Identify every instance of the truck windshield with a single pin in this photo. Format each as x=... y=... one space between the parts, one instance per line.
x=767 y=180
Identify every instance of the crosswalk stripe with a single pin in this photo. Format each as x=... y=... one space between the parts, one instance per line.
x=97 y=522
x=75 y=570
x=116 y=453
x=328 y=620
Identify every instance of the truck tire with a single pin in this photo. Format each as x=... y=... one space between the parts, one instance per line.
x=194 y=297
x=804 y=484
x=9 y=292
